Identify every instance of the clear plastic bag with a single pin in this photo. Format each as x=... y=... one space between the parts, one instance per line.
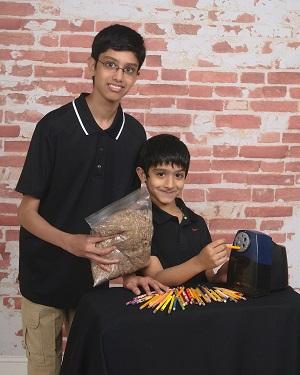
x=128 y=223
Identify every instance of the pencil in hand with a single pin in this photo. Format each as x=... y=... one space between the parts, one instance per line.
x=233 y=247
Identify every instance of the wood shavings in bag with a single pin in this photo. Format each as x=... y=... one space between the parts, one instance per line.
x=131 y=232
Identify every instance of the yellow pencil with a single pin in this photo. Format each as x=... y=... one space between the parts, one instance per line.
x=166 y=295
x=233 y=247
x=230 y=291
x=219 y=299
x=203 y=295
x=233 y=294
x=222 y=295
x=169 y=298
x=194 y=295
x=209 y=293
x=158 y=299
x=171 y=304
x=158 y=306
x=151 y=301
x=147 y=303
x=199 y=296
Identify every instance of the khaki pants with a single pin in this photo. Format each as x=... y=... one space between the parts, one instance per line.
x=42 y=332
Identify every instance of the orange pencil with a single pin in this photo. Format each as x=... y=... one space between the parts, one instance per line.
x=233 y=247
x=179 y=291
x=159 y=298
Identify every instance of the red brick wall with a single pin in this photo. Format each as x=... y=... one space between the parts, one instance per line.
x=224 y=76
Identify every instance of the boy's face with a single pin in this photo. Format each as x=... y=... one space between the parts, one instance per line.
x=111 y=83
x=164 y=182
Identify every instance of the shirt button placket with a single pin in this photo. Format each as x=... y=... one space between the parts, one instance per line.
x=100 y=158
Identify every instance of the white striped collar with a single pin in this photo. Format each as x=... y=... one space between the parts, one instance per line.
x=84 y=129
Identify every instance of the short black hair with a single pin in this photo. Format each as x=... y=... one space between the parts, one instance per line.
x=163 y=149
x=119 y=38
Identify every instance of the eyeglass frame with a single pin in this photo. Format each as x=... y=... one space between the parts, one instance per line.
x=117 y=67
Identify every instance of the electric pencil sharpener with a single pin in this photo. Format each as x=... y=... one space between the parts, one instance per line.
x=249 y=269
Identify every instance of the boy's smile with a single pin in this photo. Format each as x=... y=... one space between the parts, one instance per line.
x=164 y=182
x=115 y=72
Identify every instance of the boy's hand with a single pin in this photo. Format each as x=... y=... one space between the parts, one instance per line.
x=83 y=245
x=214 y=254
x=134 y=282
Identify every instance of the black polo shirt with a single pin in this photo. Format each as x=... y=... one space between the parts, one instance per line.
x=173 y=242
x=75 y=168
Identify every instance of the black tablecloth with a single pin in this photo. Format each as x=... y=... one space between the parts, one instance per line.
x=259 y=336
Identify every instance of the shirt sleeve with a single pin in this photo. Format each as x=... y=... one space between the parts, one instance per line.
x=206 y=234
x=36 y=173
x=153 y=247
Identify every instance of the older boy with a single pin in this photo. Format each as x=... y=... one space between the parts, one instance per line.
x=81 y=158
x=182 y=250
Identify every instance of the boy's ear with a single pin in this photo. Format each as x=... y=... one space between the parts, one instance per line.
x=91 y=63
x=142 y=175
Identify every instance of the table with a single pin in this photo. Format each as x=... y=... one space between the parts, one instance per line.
x=260 y=336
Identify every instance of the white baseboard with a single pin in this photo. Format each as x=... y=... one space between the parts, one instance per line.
x=13 y=365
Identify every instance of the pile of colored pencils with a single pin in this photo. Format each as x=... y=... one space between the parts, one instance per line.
x=182 y=296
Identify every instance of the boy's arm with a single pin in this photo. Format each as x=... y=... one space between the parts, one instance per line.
x=211 y=256
x=172 y=276
x=81 y=245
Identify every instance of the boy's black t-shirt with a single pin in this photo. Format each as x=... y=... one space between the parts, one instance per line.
x=74 y=168
x=173 y=242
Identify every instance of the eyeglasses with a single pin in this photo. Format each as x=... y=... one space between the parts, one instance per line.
x=128 y=70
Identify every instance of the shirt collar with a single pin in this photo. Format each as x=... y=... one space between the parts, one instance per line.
x=160 y=216
x=88 y=124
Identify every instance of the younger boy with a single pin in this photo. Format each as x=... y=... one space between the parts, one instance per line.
x=182 y=250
